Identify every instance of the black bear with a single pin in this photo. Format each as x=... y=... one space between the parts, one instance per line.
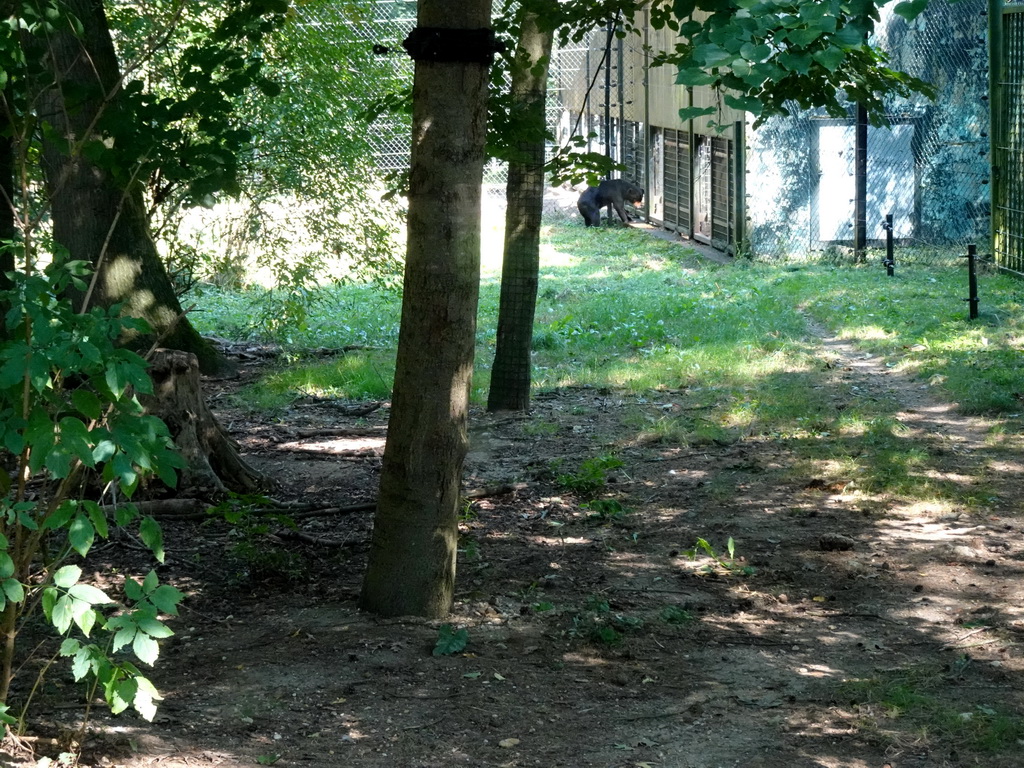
x=610 y=192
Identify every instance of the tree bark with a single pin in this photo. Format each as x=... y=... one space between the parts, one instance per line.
x=95 y=218
x=512 y=369
x=411 y=568
x=214 y=465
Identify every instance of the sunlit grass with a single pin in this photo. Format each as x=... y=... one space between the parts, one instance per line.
x=916 y=702
x=619 y=309
x=354 y=376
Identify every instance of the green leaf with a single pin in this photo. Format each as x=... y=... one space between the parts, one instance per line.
x=152 y=536
x=123 y=637
x=797 y=62
x=682 y=9
x=6 y=566
x=688 y=113
x=830 y=58
x=87 y=404
x=145 y=698
x=910 y=10
x=6 y=718
x=694 y=77
x=166 y=599
x=122 y=695
x=850 y=36
x=82 y=664
x=803 y=37
x=70 y=646
x=60 y=517
x=133 y=590
x=74 y=438
x=103 y=451
x=754 y=52
x=146 y=648
x=49 y=601
x=154 y=628
x=125 y=513
x=85 y=618
x=67 y=577
x=745 y=103
x=63 y=614
x=13 y=589
x=90 y=594
x=450 y=640
x=711 y=55
x=81 y=534
x=98 y=518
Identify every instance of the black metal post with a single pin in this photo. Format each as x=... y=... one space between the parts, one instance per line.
x=860 y=174
x=890 y=256
x=608 y=151
x=972 y=280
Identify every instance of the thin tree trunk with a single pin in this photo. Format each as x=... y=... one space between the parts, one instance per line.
x=411 y=569
x=512 y=369
x=96 y=218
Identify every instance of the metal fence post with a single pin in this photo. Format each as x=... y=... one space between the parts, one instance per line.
x=972 y=280
x=890 y=256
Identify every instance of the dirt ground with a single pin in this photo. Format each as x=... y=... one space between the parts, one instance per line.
x=593 y=639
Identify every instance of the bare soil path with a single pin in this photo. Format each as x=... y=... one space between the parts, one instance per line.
x=847 y=631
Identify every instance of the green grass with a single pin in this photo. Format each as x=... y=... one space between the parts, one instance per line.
x=619 y=309
x=353 y=376
x=920 y=700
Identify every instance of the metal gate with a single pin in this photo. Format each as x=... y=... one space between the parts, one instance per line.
x=722 y=201
x=1007 y=73
x=677 y=187
x=634 y=152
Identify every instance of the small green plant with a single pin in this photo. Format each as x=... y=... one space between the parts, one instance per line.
x=673 y=614
x=606 y=510
x=470 y=549
x=261 y=559
x=540 y=428
x=70 y=420
x=727 y=562
x=450 y=640
x=591 y=475
x=467 y=511
x=598 y=624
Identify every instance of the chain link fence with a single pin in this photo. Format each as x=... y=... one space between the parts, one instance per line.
x=383 y=29
x=788 y=189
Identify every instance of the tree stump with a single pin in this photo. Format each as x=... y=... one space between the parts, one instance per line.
x=214 y=464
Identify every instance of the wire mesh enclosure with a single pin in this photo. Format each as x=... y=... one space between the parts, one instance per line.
x=789 y=188
x=1007 y=34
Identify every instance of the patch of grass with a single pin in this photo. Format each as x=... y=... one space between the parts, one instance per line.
x=353 y=376
x=921 y=700
x=606 y=510
x=540 y=428
x=673 y=614
x=591 y=475
x=919 y=323
x=598 y=624
x=340 y=315
x=629 y=313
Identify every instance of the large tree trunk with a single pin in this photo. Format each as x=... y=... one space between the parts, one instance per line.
x=214 y=464
x=511 y=372
x=412 y=556
x=95 y=218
